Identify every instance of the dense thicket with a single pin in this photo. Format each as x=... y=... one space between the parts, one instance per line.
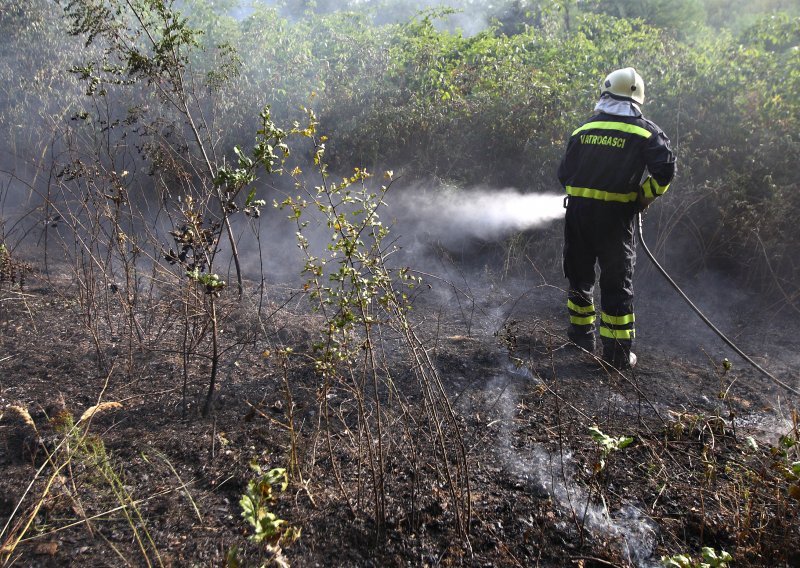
x=493 y=107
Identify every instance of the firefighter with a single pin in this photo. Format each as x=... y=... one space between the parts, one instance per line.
x=602 y=171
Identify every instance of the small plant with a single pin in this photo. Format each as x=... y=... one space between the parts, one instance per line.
x=699 y=426
x=362 y=300
x=196 y=241
x=256 y=503
x=711 y=559
x=607 y=445
x=787 y=464
x=77 y=452
x=792 y=474
x=12 y=270
x=270 y=531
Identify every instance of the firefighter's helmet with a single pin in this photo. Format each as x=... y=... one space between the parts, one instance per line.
x=626 y=83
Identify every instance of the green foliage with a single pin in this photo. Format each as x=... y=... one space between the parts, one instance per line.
x=681 y=16
x=786 y=455
x=212 y=282
x=710 y=559
x=746 y=145
x=607 y=445
x=352 y=282
x=361 y=301
x=396 y=93
x=145 y=39
x=511 y=99
x=738 y=15
x=257 y=502
x=231 y=181
x=36 y=95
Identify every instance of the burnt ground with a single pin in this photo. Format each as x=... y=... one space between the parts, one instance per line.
x=153 y=482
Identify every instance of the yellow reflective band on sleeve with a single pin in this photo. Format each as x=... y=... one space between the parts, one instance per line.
x=618 y=126
x=580 y=309
x=602 y=195
x=652 y=189
x=617 y=333
x=647 y=188
x=582 y=320
x=617 y=320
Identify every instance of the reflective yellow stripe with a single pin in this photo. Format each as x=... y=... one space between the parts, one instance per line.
x=617 y=320
x=582 y=320
x=651 y=188
x=580 y=309
x=647 y=188
x=602 y=195
x=617 y=333
x=620 y=126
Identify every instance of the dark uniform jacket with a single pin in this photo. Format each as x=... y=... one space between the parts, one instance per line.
x=602 y=172
x=607 y=155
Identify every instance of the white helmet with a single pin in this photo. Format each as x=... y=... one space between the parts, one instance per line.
x=624 y=83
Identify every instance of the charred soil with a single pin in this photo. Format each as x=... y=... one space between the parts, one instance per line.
x=150 y=481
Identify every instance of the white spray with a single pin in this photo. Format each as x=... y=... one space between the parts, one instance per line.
x=485 y=214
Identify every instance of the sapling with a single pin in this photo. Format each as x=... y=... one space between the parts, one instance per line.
x=362 y=302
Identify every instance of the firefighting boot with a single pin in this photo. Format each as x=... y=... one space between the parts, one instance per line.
x=585 y=341
x=619 y=355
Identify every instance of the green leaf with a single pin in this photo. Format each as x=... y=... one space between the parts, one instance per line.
x=677 y=561
x=250 y=197
x=232 y=558
x=248 y=506
x=624 y=442
x=714 y=559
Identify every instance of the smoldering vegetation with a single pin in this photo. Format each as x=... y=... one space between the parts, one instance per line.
x=491 y=109
x=452 y=112
x=340 y=200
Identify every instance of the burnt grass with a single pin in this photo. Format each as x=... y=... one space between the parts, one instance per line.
x=695 y=474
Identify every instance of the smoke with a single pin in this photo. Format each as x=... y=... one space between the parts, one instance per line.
x=451 y=215
x=470 y=17
x=421 y=219
x=553 y=474
x=466 y=16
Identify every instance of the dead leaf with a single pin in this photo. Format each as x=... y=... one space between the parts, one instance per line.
x=46 y=548
x=102 y=407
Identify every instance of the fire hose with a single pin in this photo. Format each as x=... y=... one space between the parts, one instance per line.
x=705 y=319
